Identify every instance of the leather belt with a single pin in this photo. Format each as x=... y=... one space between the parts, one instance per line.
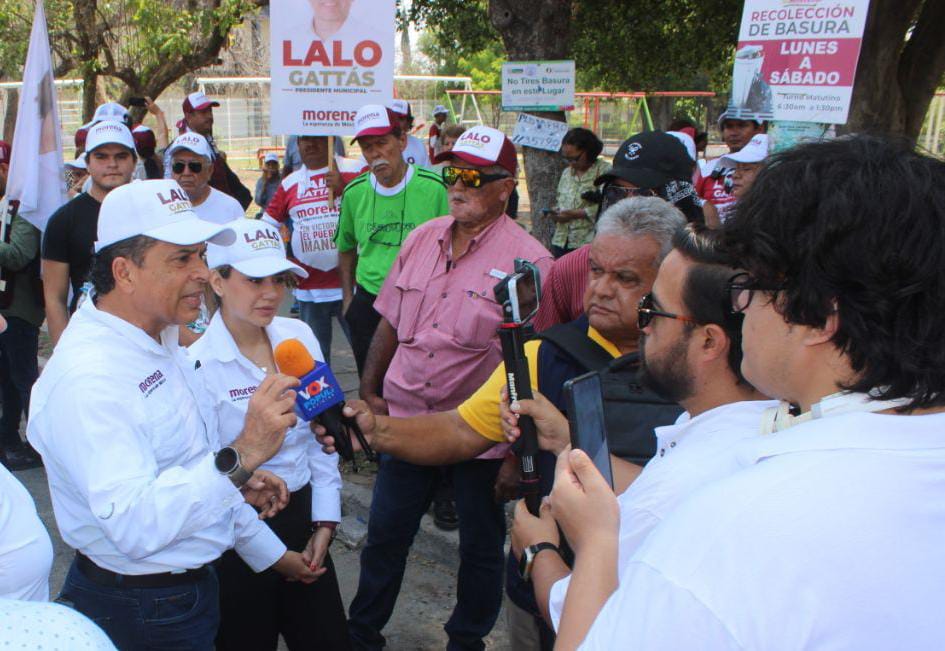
x=112 y=579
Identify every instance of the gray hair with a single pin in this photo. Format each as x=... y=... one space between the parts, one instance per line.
x=638 y=216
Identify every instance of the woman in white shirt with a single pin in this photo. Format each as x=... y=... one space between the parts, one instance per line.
x=234 y=355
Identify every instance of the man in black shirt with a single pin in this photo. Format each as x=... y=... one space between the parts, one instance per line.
x=70 y=233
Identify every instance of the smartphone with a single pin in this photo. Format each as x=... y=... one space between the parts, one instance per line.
x=586 y=418
x=137 y=101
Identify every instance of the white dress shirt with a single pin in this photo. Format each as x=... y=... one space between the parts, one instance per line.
x=123 y=431
x=26 y=553
x=229 y=380
x=830 y=538
x=219 y=208
x=689 y=454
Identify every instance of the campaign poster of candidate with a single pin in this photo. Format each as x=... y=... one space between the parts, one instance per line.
x=796 y=59
x=329 y=57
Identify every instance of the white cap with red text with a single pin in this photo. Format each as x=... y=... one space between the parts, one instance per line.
x=108 y=132
x=400 y=107
x=257 y=251
x=483 y=146
x=754 y=152
x=159 y=209
x=373 y=120
x=194 y=142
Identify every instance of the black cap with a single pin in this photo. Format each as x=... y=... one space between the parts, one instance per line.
x=650 y=159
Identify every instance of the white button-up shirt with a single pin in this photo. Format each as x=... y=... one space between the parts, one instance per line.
x=26 y=553
x=229 y=380
x=689 y=454
x=830 y=538
x=118 y=419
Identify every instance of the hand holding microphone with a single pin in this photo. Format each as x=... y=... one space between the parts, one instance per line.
x=268 y=416
x=320 y=397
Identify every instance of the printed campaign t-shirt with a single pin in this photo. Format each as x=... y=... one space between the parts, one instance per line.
x=716 y=184
x=376 y=220
x=302 y=202
x=70 y=238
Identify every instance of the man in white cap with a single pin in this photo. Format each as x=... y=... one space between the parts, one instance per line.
x=198 y=117
x=436 y=129
x=414 y=151
x=138 y=485
x=70 y=233
x=191 y=166
x=736 y=130
x=379 y=210
x=748 y=162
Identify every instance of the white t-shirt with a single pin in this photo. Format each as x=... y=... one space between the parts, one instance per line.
x=416 y=153
x=219 y=208
x=690 y=454
x=26 y=553
x=830 y=538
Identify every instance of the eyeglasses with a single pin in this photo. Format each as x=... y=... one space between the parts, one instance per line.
x=194 y=166
x=615 y=193
x=645 y=313
x=470 y=178
x=741 y=289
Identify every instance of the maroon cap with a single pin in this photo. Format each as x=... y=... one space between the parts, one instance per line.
x=4 y=151
x=374 y=120
x=144 y=138
x=483 y=146
x=197 y=102
x=80 y=136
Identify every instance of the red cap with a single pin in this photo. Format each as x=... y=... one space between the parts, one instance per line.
x=374 y=120
x=144 y=138
x=80 y=136
x=197 y=102
x=483 y=146
x=4 y=151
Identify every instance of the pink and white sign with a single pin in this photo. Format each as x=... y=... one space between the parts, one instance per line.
x=796 y=59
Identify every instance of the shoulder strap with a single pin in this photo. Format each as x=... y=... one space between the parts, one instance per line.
x=572 y=339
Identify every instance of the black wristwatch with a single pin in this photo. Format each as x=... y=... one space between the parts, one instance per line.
x=227 y=461
x=528 y=558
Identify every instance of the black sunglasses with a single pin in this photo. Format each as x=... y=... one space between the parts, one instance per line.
x=646 y=312
x=470 y=178
x=742 y=288
x=614 y=193
x=194 y=166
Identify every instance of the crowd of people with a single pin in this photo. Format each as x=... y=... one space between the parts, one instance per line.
x=765 y=328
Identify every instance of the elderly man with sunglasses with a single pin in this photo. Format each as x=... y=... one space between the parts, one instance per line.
x=437 y=342
x=191 y=160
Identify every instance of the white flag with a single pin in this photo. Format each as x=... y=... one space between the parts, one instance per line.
x=36 y=172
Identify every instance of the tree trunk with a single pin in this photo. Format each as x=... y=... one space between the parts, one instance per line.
x=661 y=110
x=89 y=94
x=533 y=30
x=901 y=64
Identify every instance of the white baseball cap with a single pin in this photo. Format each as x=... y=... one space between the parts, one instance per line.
x=79 y=162
x=483 y=146
x=373 y=120
x=687 y=142
x=257 y=251
x=191 y=141
x=400 y=107
x=158 y=209
x=271 y=157
x=439 y=109
x=108 y=132
x=110 y=111
x=197 y=102
x=754 y=152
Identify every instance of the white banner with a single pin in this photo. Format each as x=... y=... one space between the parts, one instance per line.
x=36 y=172
x=328 y=59
x=540 y=133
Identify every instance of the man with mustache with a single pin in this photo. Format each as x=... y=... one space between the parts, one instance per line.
x=379 y=210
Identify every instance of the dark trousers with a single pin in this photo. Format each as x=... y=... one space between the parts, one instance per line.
x=19 y=344
x=402 y=494
x=362 y=321
x=256 y=607
x=180 y=618
x=318 y=317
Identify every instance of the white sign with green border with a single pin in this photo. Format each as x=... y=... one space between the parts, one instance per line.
x=538 y=86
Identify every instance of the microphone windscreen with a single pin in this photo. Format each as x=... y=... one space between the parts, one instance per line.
x=292 y=358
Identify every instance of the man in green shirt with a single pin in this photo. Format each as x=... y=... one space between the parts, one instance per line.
x=379 y=209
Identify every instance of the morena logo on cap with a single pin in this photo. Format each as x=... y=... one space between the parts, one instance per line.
x=633 y=151
x=176 y=201
x=367 y=117
x=264 y=238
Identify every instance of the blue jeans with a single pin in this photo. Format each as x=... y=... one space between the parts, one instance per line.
x=318 y=317
x=179 y=618
x=402 y=494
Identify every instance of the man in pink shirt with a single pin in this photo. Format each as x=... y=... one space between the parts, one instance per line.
x=437 y=343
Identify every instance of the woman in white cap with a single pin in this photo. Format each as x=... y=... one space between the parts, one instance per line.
x=249 y=279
